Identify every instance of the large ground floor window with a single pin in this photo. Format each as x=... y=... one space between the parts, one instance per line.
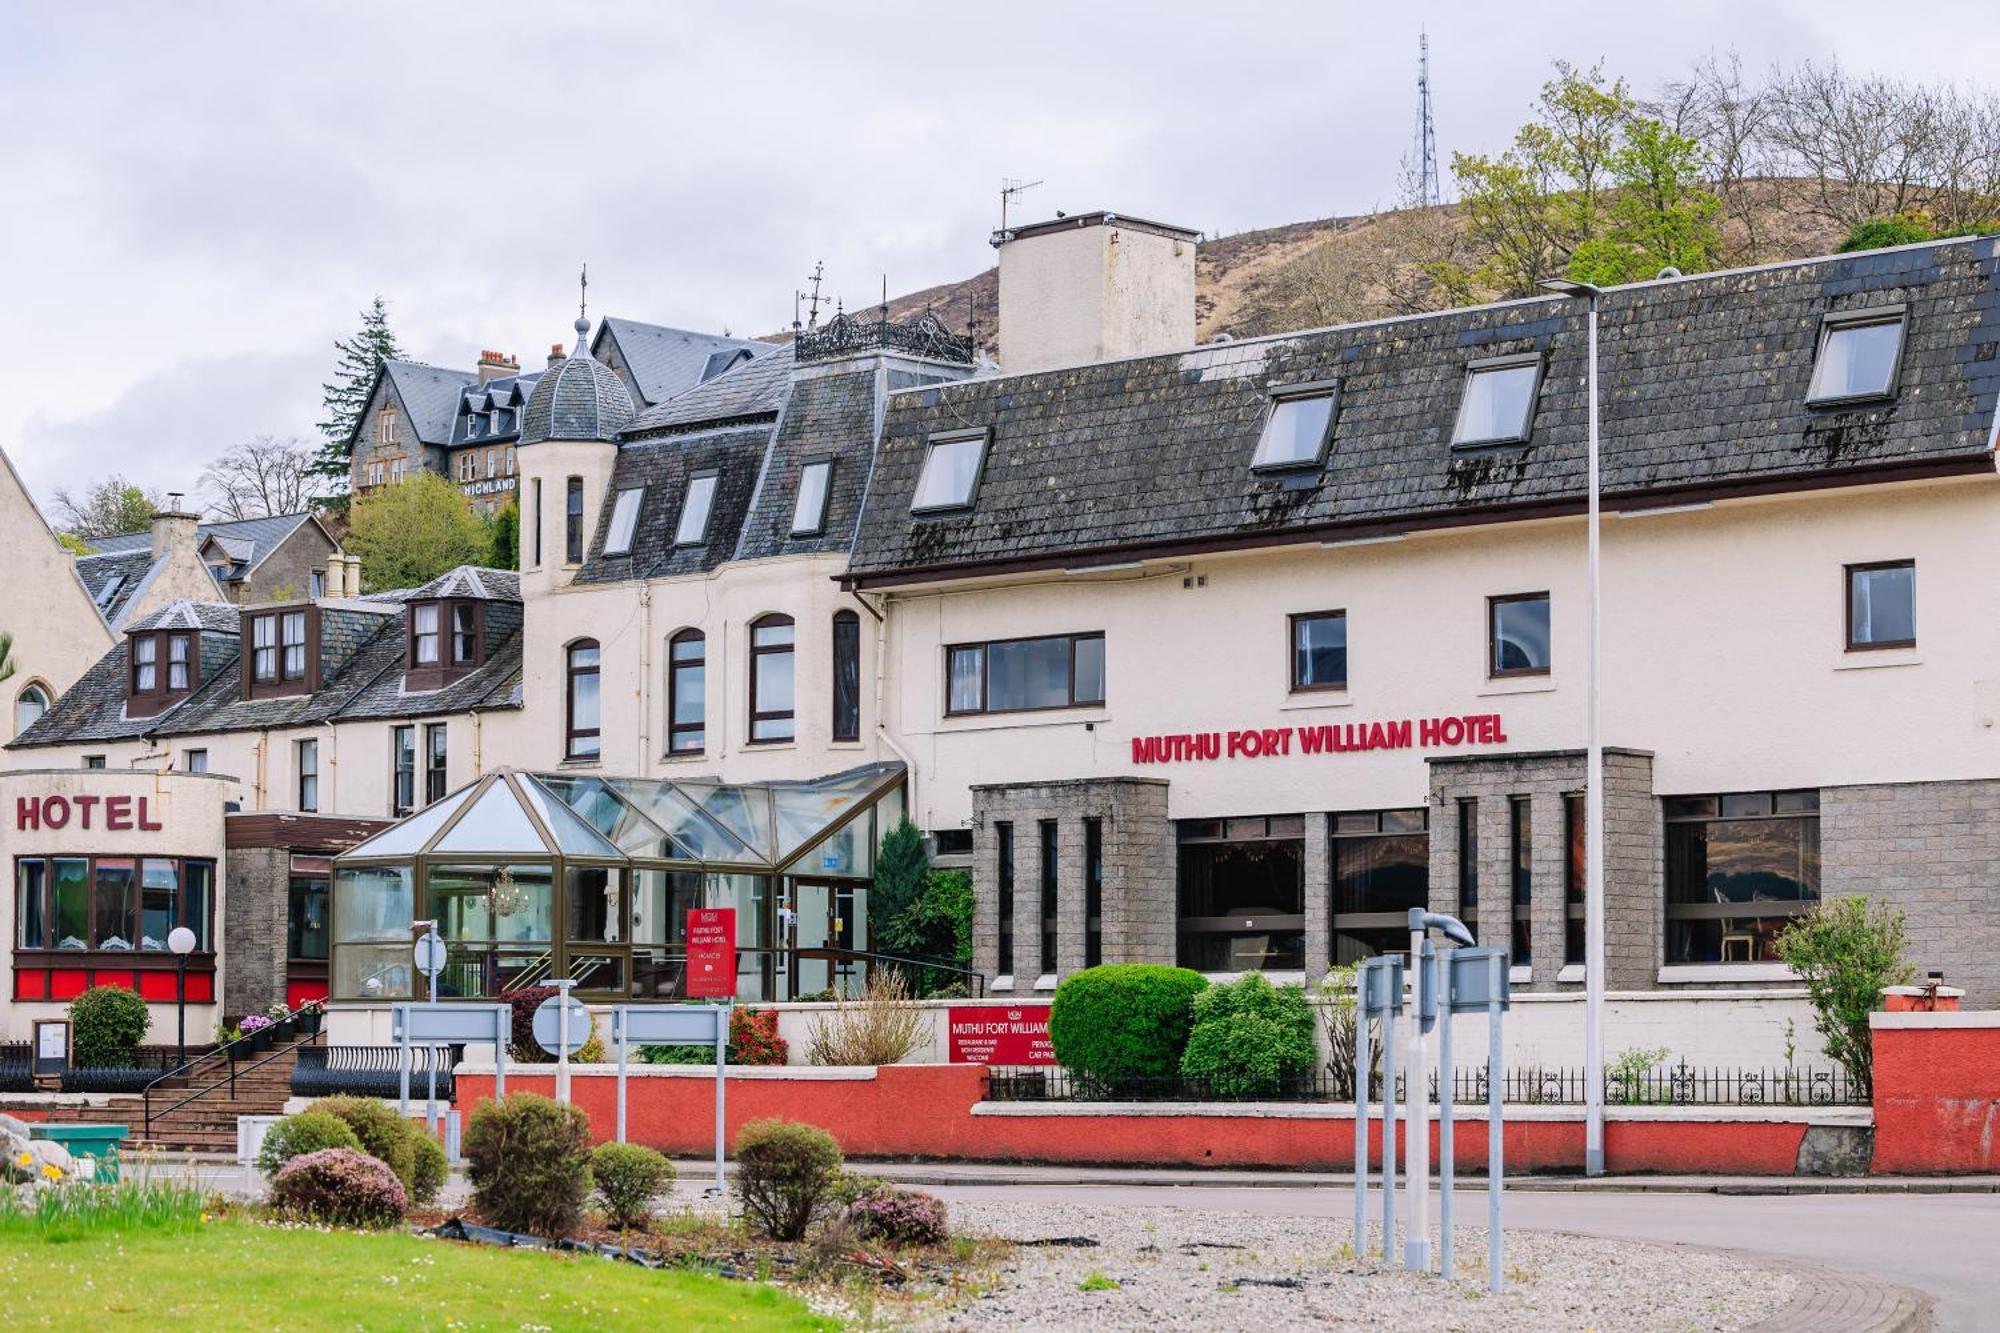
x=1739 y=868
x=111 y=904
x=1242 y=894
x=1380 y=869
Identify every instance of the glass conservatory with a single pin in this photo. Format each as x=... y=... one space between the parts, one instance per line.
x=532 y=876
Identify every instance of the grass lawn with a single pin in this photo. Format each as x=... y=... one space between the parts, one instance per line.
x=241 y=1275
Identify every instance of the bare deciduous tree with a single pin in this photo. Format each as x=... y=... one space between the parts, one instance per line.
x=1717 y=108
x=261 y=477
x=109 y=508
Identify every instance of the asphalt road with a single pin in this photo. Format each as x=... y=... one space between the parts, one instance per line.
x=1946 y=1245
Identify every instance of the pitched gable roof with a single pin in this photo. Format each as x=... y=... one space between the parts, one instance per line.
x=430 y=396
x=665 y=362
x=752 y=388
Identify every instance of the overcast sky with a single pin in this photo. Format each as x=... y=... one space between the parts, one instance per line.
x=196 y=199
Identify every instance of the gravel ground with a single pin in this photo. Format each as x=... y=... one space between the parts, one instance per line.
x=1180 y=1268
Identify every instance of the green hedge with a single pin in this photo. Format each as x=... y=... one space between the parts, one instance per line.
x=1250 y=1038
x=107 y=1023
x=1124 y=1022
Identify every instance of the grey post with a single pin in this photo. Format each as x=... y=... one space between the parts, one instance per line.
x=1389 y=1128
x=1495 y=1166
x=403 y=1059
x=722 y=1017
x=1361 y=1114
x=1446 y=1174
x=618 y=1035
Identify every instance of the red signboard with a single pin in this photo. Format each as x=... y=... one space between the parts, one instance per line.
x=711 y=940
x=1001 y=1035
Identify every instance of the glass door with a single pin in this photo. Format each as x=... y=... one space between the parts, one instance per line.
x=812 y=930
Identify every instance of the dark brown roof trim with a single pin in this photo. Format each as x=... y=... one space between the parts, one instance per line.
x=1657 y=497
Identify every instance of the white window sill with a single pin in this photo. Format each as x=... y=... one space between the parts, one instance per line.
x=846 y=745
x=1570 y=972
x=1525 y=685
x=1518 y=975
x=762 y=746
x=1307 y=701
x=685 y=757
x=1004 y=981
x=1054 y=717
x=1886 y=657
x=1046 y=981
x=1688 y=973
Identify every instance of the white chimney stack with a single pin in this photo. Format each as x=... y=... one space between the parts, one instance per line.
x=1093 y=287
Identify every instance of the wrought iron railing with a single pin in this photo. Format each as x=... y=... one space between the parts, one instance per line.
x=923 y=975
x=233 y=1051
x=849 y=332
x=1664 y=1085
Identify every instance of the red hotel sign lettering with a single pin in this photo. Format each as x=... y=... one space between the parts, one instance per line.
x=35 y=813
x=1329 y=738
x=1017 y=1035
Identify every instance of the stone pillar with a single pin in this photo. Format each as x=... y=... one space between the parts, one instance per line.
x=985 y=893
x=257 y=899
x=1028 y=961
x=1550 y=853
x=1319 y=897
x=1634 y=873
x=1496 y=867
x=1072 y=875
x=1141 y=874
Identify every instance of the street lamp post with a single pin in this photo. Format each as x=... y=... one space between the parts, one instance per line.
x=181 y=941
x=1593 y=793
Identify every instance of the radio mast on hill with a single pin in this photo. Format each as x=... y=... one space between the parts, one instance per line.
x=1426 y=164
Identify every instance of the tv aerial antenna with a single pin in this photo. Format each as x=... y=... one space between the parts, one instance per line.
x=1011 y=189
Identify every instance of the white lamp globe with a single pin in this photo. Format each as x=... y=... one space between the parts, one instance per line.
x=181 y=940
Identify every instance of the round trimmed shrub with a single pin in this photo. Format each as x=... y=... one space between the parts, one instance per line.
x=429 y=1167
x=1250 y=1038
x=628 y=1177
x=107 y=1023
x=339 y=1187
x=785 y=1173
x=529 y=1161
x=309 y=1131
x=384 y=1134
x=1125 y=1022
x=899 y=1217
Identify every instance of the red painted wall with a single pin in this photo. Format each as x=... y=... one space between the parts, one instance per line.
x=925 y=1111
x=1937 y=1100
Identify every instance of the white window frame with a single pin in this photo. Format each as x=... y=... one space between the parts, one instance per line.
x=1490 y=366
x=1293 y=395
x=1833 y=325
x=979 y=436
x=697 y=507
x=811 y=523
x=624 y=520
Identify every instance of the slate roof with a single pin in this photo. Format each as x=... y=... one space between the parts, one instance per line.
x=666 y=362
x=1703 y=388
x=430 y=396
x=579 y=398
x=128 y=568
x=495 y=406
x=263 y=535
x=361 y=662
x=828 y=416
x=664 y=466
x=755 y=388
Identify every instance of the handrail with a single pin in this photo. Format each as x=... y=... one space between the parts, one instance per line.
x=146 y=1096
x=976 y=978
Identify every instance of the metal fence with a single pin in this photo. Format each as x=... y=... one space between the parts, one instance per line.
x=1661 y=1085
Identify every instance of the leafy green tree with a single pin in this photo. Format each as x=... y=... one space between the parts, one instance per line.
x=939 y=923
x=1846 y=951
x=109 y=508
x=345 y=396
x=7 y=666
x=503 y=536
x=1880 y=233
x=900 y=865
x=411 y=532
x=1592 y=188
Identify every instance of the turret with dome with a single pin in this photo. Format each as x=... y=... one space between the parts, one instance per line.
x=579 y=399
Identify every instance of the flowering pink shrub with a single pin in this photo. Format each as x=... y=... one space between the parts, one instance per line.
x=339 y=1187
x=899 y=1217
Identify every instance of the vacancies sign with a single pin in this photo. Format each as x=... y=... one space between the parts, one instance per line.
x=1428 y=733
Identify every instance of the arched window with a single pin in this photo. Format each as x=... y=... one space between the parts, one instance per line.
x=687 y=692
x=771 y=642
x=29 y=704
x=580 y=701
x=846 y=676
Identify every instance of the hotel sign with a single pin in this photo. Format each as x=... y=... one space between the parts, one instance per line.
x=1428 y=733
x=115 y=814
x=711 y=953
x=1015 y=1035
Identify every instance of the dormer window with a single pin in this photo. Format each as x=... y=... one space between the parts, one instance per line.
x=953 y=461
x=164 y=670
x=809 y=509
x=693 y=527
x=283 y=656
x=1299 y=428
x=1860 y=356
x=1498 y=404
x=447 y=640
x=624 y=521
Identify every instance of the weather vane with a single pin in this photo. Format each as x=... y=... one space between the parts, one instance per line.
x=583 y=292
x=813 y=300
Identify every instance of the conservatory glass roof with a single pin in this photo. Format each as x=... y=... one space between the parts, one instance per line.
x=762 y=826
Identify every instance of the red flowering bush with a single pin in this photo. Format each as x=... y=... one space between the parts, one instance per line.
x=899 y=1217
x=753 y=1040
x=339 y=1187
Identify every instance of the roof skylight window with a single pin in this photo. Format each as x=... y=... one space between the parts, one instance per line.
x=952 y=463
x=624 y=521
x=1860 y=355
x=1498 y=405
x=1299 y=427
x=109 y=590
x=693 y=528
x=809 y=510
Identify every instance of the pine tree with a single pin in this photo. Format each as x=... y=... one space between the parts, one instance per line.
x=346 y=396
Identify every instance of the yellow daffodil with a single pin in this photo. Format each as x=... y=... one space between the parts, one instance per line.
x=25 y=1159
x=52 y=1172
